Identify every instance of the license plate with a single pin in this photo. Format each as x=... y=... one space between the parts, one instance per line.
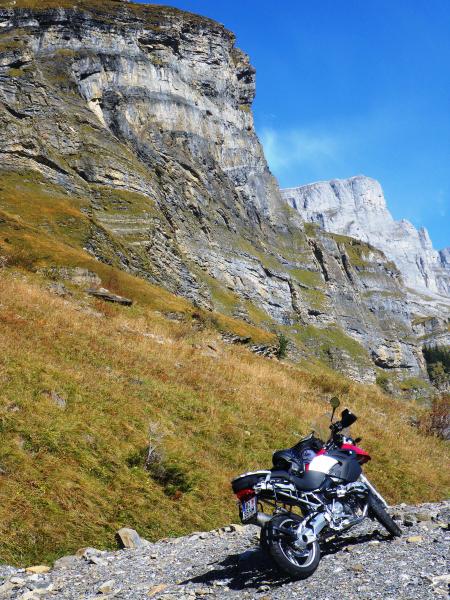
x=248 y=509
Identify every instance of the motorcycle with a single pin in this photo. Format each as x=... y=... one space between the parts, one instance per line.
x=314 y=491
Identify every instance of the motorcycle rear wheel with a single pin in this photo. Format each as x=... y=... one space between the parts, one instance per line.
x=293 y=561
x=377 y=511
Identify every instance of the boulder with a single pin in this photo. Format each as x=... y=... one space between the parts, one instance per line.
x=129 y=538
x=105 y=294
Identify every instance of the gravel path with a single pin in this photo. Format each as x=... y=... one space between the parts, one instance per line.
x=227 y=563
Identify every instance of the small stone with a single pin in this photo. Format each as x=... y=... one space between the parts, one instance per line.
x=156 y=589
x=237 y=528
x=83 y=552
x=19 y=581
x=92 y=555
x=153 y=556
x=414 y=539
x=105 y=294
x=440 y=580
x=38 y=569
x=106 y=587
x=263 y=588
x=42 y=590
x=357 y=568
x=5 y=588
x=128 y=538
x=423 y=516
x=65 y=562
x=30 y=595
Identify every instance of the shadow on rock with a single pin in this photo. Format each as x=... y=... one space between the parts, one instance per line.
x=332 y=546
x=254 y=568
x=250 y=569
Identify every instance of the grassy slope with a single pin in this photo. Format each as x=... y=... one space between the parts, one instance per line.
x=71 y=477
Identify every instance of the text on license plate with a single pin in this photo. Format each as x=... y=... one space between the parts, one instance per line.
x=248 y=508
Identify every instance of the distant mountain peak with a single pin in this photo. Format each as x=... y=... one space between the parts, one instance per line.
x=357 y=207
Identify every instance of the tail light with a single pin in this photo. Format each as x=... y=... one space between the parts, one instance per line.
x=244 y=495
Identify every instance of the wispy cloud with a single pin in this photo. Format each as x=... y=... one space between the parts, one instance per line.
x=286 y=150
x=442 y=203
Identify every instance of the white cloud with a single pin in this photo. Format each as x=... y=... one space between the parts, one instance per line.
x=442 y=203
x=285 y=150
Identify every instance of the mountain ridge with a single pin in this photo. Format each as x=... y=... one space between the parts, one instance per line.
x=356 y=206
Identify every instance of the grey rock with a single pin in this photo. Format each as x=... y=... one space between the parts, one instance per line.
x=66 y=562
x=107 y=587
x=105 y=294
x=129 y=538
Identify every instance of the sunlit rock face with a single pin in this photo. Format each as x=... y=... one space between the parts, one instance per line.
x=356 y=207
x=142 y=114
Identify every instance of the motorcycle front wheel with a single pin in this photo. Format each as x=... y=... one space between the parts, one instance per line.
x=296 y=562
x=377 y=511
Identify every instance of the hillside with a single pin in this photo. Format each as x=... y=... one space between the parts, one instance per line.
x=357 y=207
x=84 y=381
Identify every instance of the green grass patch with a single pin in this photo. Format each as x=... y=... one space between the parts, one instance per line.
x=324 y=339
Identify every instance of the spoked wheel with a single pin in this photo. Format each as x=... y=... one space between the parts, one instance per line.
x=296 y=561
x=378 y=512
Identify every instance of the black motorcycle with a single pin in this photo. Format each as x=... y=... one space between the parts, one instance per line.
x=314 y=491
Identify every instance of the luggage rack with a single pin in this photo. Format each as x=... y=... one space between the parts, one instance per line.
x=284 y=493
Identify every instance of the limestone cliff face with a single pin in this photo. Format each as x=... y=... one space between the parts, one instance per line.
x=141 y=115
x=356 y=207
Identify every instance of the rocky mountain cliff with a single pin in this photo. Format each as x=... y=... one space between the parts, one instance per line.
x=356 y=207
x=141 y=117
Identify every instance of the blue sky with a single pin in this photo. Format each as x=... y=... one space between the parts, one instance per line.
x=346 y=87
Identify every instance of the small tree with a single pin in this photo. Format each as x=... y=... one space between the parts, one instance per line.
x=282 y=347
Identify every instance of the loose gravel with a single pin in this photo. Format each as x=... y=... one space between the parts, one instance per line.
x=363 y=564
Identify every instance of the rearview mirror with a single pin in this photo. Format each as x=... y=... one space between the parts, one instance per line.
x=347 y=418
x=335 y=402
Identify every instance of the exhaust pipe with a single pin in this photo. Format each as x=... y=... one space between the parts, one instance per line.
x=262 y=519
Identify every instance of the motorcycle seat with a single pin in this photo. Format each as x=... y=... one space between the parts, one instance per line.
x=311 y=480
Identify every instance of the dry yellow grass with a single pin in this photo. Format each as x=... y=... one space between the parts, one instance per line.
x=71 y=476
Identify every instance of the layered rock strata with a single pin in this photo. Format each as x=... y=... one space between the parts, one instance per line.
x=141 y=116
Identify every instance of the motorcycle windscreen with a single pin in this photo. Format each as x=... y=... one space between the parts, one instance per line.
x=321 y=427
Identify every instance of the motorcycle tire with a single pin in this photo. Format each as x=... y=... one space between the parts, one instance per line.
x=377 y=511
x=299 y=564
